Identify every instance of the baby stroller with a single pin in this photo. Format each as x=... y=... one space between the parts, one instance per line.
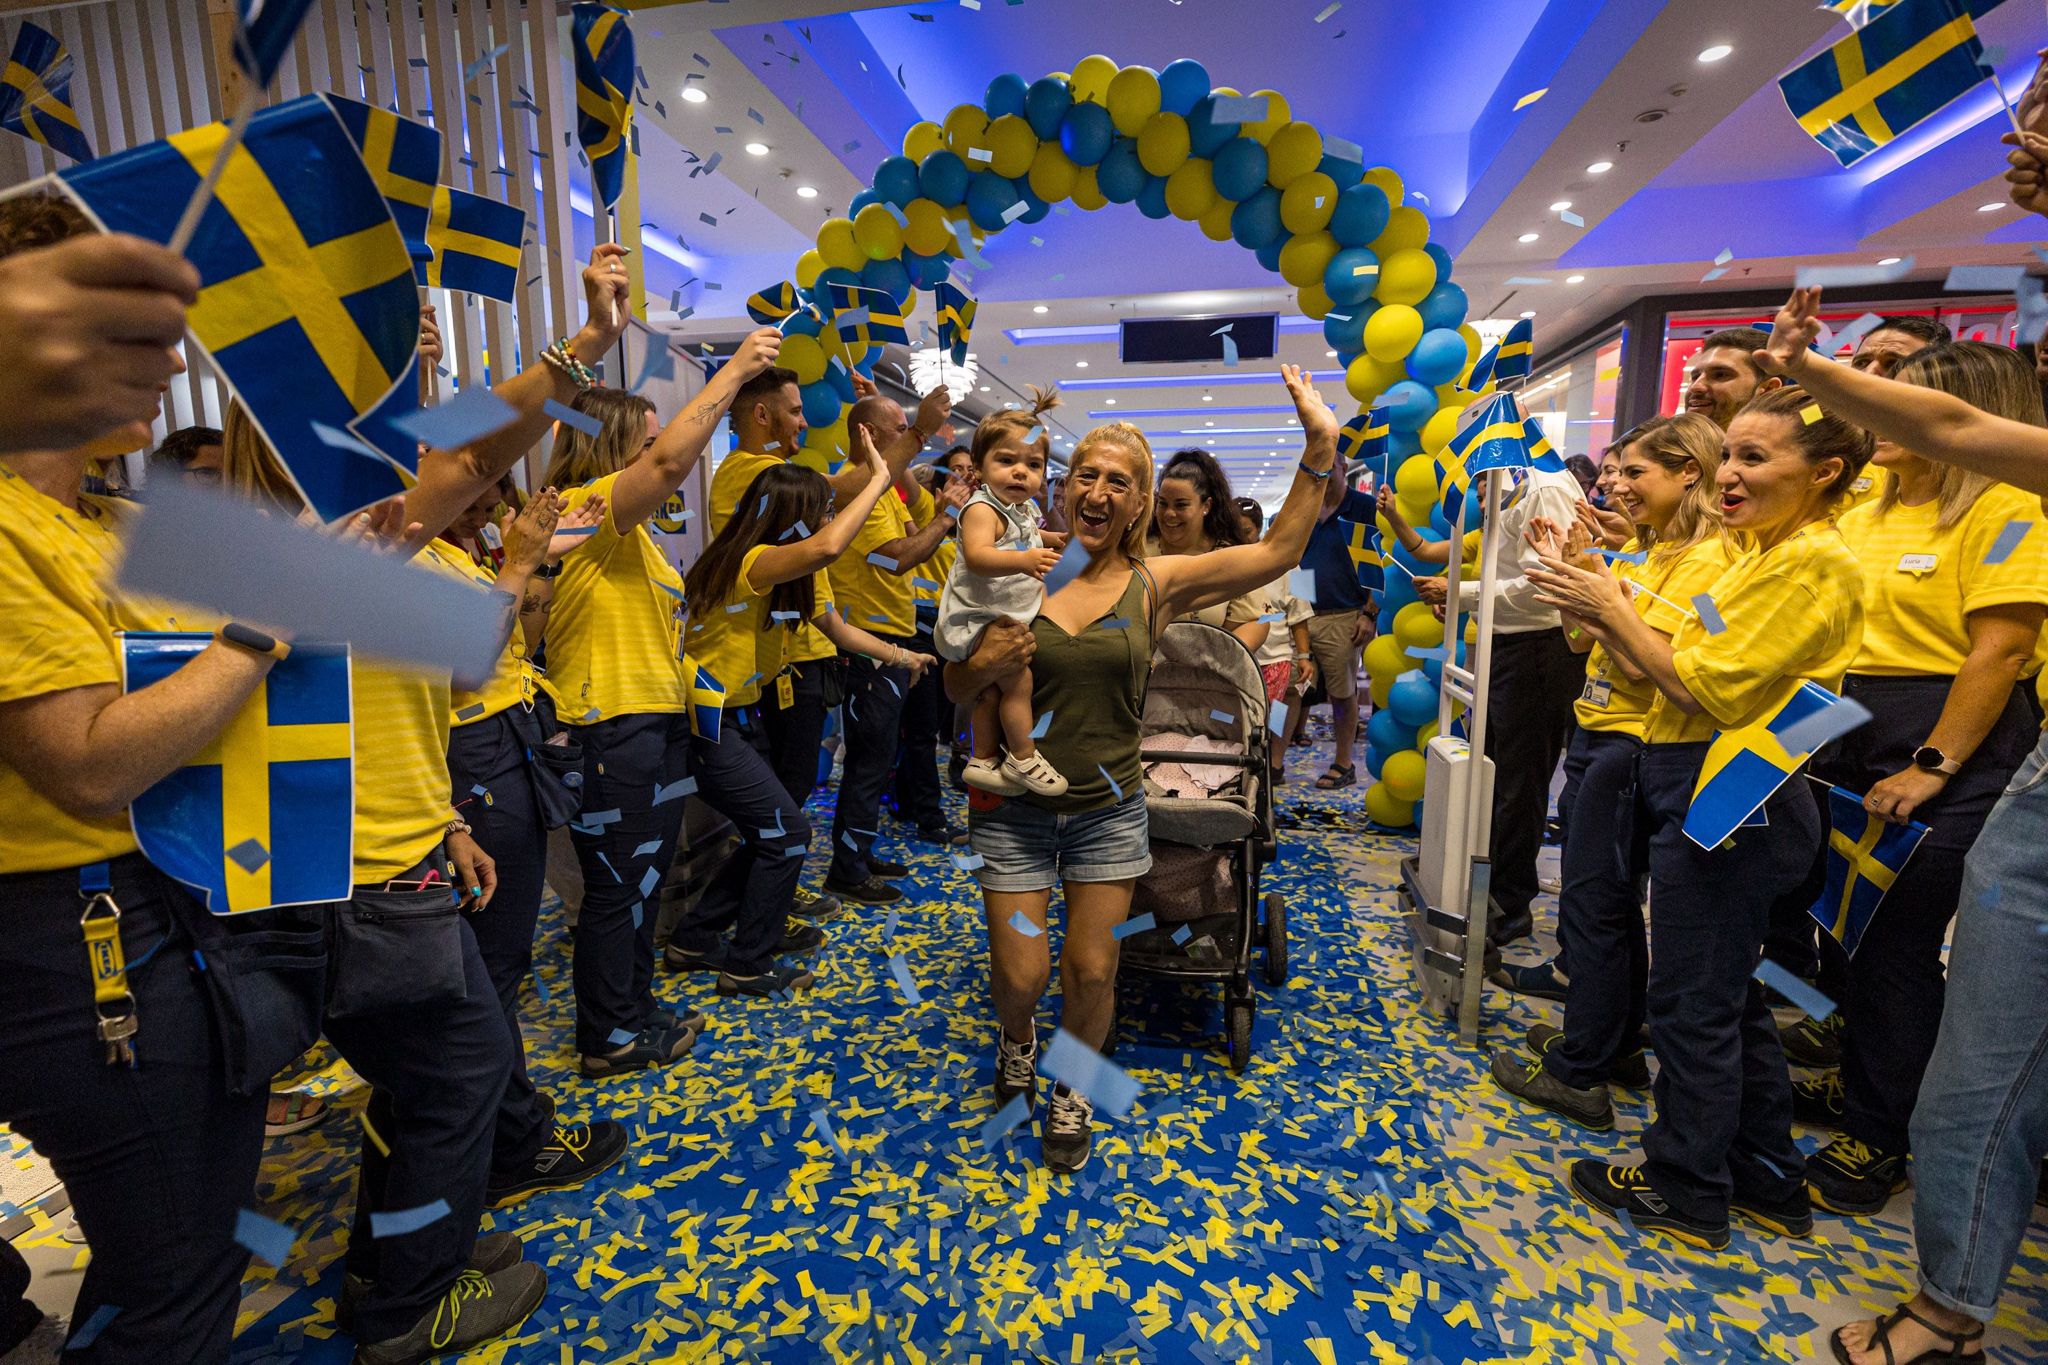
x=1204 y=750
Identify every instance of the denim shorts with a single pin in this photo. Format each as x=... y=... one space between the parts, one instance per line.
x=1028 y=848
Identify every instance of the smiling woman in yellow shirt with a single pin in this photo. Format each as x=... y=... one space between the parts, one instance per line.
x=1788 y=612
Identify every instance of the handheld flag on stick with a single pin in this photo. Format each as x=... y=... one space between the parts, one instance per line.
x=866 y=317
x=1482 y=371
x=1743 y=767
x=1515 y=353
x=603 y=45
x=264 y=30
x=1885 y=77
x=707 y=703
x=956 y=319
x=404 y=158
x=1865 y=856
x=1492 y=438
x=773 y=304
x=1364 y=437
x=35 y=94
x=475 y=244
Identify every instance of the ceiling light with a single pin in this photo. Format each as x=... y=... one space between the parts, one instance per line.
x=1110 y=401
x=757 y=149
x=1716 y=52
x=1529 y=313
x=1208 y=398
x=1527 y=237
x=1560 y=206
x=1889 y=260
x=694 y=95
x=1331 y=354
x=1208 y=424
x=806 y=192
x=1575 y=279
x=1212 y=443
x=1600 y=168
x=1039 y=309
x=1080 y=364
x=1991 y=208
x=984 y=388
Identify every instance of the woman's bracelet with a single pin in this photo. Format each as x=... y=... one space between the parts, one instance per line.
x=562 y=358
x=1319 y=475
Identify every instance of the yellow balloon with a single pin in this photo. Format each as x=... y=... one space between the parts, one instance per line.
x=1052 y=173
x=1292 y=152
x=922 y=140
x=1438 y=430
x=1314 y=300
x=836 y=243
x=1425 y=735
x=1133 y=99
x=1368 y=378
x=1474 y=344
x=1451 y=398
x=1406 y=276
x=1383 y=807
x=1278 y=116
x=1091 y=79
x=1304 y=258
x=927 y=232
x=1415 y=480
x=1392 y=331
x=1191 y=190
x=1163 y=144
x=1216 y=219
x=803 y=355
x=1087 y=194
x=1415 y=625
x=1307 y=203
x=1415 y=513
x=966 y=128
x=824 y=446
x=1403 y=775
x=809 y=266
x=1384 y=659
x=875 y=229
x=1407 y=230
x=1471 y=638
x=1389 y=183
x=1013 y=144
x=847 y=353
x=1380 y=522
x=1381 y=690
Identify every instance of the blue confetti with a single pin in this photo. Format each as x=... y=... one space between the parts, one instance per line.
x=1180 y=935
x=468 y=417
x=1021 y=922
x=649 y=881
x=1805 y=736
x=1083 y=1068
x=621 y=1036
x=967 y=862
x=2009 y=538
x=1223 y=717
x=266 y=1237
x=674 y=790
x=1710 y=615
x=1276 y=717
x=1135 y=926
x=398 y=1222
x=1044 y=724
x=651 y=846
x=999 y=1125
x=882 y=561
x=1636 y=557
x=1115 y=790
x=900 y=969
x=1815 y=1005
x=821 y=1123
x=94 y=1325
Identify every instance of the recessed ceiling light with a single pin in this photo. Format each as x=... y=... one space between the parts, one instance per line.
x=806 y=192
x=1560 y=206
x=1039 y=309
x=694 y=95
x=1080 y=364
x=1331 y=354
x=984 y=388
x=1889 y=260
x=1716 y=52
x=1208 y=398
x=1991 y=208
x=1527 y=237
x=1529 y=312
x=1212 y=443
x=1110 y=401
x=1208 y=424
x=1600 y=168
x=1575 y=279
x=757 y=149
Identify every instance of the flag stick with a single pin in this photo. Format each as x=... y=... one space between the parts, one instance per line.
x=195 y=208
x=612 y=213
x=2005 y=102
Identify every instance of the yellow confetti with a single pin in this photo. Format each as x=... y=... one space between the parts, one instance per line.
x=1531 y=97
x=1811 y=413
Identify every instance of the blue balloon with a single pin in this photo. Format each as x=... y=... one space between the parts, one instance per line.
x=1398 y=593
x=1403 y=443
x=1390 y=734
x=1409 y=405
x=1152 y=199
x=1206 y=136
x=1444 y=306
x=1256 y=221
x=927 y=271
x=1412 y=701
x=989 y=197
x=943 y=178
x=1269 y=254
x=1182 y=85
x=1005 y=96
x=861 y=201
x=1086 y=134
x=1437 y=357
x=1345 y=172
x=1037 y=208
x=802 y=325
x=1344 y=329
x=1407 y=559
x=1361 y=215
x=1045 y=106
x=1435 y=251
x=890 y=276
x=831 y=275
x=1375 y=759
x=1351 y=276
x=896 y=181
x=1438 y=522
x=1121 y=175
x=821 y=404
x=841 y=380
x=1240 y=168
x=1433 y=669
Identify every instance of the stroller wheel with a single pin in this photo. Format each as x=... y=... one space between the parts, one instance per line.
x=1240 y=1026
x=1276 y=939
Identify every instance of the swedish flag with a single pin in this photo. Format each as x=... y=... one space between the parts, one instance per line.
x=773 y=304
x=707 y=703
x=1367 y=561
x=1542 y=455
x=264 y=30
x=1885 y=77
x=306 y=301
x=1865 y=856
x=1452 y=486
x=263 y=815
x=404 y=158
x=1515 y=354
x=956 y=319
x=1482 y=371
x=476 y=244
x=866 y=317
x=1364 y=438
x=35 y=94
x=1743 y=767
x=603 y=46
x=1492 y=437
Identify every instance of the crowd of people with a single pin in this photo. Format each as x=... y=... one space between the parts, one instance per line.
x=1799 y=522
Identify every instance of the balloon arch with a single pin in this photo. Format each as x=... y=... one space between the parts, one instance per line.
x=1243 y=170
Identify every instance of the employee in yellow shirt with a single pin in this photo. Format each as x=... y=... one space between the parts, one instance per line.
x=1664 y=481
x=927 y=715
x=1790 y=611
x=759 y=578
x=1952 y=629
x=615 y=657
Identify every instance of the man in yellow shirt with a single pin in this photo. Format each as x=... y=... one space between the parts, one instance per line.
x=927 y=715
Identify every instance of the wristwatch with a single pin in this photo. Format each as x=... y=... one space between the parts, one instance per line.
x=1927 y=758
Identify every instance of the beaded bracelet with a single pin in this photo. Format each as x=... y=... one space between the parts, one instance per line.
x=562 y=358
x=1318 y=475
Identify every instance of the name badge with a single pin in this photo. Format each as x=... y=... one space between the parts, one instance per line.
x=1597 y=693
x=785 y=692
x=1916 y=563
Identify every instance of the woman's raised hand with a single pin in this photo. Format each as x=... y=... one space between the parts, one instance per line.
x=1318 y=422
x=1795 y=329
x=527 y=538
x=604 y=294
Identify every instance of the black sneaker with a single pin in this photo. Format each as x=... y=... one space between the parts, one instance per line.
x=1540 y=982
x=576 y=1152
x=1852 y=1177
x=659 y=1018
x=650 y=1047
x=1818 y=1103
x=683 y=960
x=1506 y=929
x=1631 y=1070
x=946 y=834
x=873 y=891
x=1624 y=1192
x=812 y=906
x=775 y=981
x=1814 y=1042
x=1016 y=1070
x=1527 y=1080
x=883 y=867
x=1791 y=1216
x=492 y=1252
x=800 y=940
x=477 y=1308
x=1069 y=1130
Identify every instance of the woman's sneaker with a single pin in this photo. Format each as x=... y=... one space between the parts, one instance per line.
x=1016 y=1070
x=1034 y=774
x=775 y=981
x=1819 y=1103
x=988 y=775
x=1069 y=1129
x=1852 y=1177
x=477 y=1308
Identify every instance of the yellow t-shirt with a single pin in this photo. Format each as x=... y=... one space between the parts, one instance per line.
x=1792 y=611
x=735 y=472
x=515 y=679
x=869 y=595
x=1920 y=581
x=1865 y=488
x=732 y=640
x=614 y=624
x=928 y=580
x=1611 y=701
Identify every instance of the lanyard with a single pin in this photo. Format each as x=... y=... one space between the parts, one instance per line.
x=113 y=1002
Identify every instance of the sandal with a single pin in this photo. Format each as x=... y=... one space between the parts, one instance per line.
x=1339 y=775
x=1956 y=1340
x=297 y=1111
